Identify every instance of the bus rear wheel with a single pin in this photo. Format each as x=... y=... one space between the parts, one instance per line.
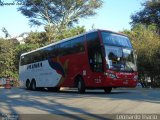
x=28 y=84
x=33 y=85
x=107 y=89
x=81 y=85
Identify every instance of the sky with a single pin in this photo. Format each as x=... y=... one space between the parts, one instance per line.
x=114 y=15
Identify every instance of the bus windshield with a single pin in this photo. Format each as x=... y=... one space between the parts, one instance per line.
x=119 y=52
x=116 y=40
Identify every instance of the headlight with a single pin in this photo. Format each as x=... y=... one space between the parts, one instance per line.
x=111 y=75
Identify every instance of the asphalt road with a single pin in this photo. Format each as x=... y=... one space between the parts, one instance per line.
x=120 y=101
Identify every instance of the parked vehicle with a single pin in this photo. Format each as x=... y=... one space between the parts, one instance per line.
x=98 y=59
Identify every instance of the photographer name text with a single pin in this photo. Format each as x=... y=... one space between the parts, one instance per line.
x=11 y=3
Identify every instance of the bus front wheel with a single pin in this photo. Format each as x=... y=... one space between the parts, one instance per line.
x=81 y=85
x=108 y=89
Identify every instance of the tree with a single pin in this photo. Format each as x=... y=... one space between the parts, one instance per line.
x=7 y=58
x=42 y=38
x=147 y=44
x=58 y=15
x=150 y=14
x=10 y=52
x=70 y=32
x=39 y=39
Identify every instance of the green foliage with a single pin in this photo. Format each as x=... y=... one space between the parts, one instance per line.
x=43 y=38
x=37 y=38
x=58 y=13
x=57 y=16
x=150 y=14
x=7 y=58
x=146 y=39
x=147 y=44
x=66 y=33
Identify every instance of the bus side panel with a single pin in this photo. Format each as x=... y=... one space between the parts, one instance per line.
x=73 y=65
x=42 y=72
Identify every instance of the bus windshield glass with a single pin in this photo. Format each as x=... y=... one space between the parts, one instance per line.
x=119 y=52
x=116 y=40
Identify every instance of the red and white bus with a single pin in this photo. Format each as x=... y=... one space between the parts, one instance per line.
x=99 y=59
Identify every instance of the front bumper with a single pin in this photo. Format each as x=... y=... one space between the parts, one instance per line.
x=121 y=83
x=120 y=79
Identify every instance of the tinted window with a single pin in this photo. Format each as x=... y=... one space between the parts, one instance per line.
x=72 y=46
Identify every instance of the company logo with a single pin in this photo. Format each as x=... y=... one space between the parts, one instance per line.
x=61 y=68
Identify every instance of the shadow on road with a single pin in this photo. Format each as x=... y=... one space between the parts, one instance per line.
x=141 y=95
x=52 y=107
x=92 y=93
x=49 y=101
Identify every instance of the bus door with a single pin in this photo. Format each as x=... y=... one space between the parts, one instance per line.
x=95 y=59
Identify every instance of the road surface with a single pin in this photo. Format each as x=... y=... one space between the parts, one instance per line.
x=120 y=101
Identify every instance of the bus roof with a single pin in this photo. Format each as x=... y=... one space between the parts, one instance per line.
x=67 y=39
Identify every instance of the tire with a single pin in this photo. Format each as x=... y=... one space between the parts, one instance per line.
x=81 y=85
x=53 y=89
x=28 y=84
x=108 y=89
x=33 y=85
